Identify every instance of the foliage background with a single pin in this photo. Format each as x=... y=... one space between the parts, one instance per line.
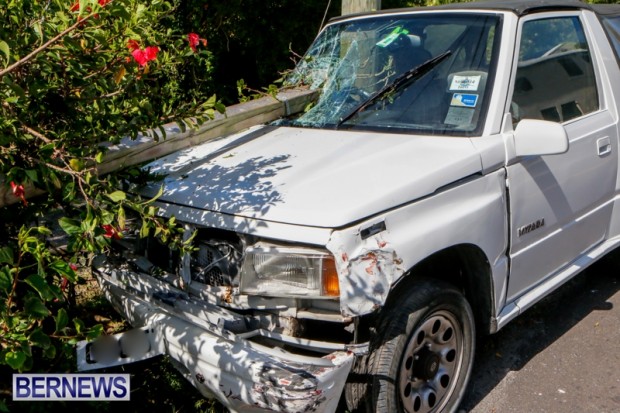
x=74 y=75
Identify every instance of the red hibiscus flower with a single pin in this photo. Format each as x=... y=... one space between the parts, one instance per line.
x=193 y=39
x=133 y=45
x=143 y=56
x=151 y=52
x=64 y=283
x=139 y=56
x=76 y=5
x=110 y=232
x=19 y=192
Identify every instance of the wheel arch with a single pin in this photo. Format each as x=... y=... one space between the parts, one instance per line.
x=464 y=266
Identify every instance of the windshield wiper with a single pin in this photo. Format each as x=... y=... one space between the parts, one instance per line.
x=397 y=83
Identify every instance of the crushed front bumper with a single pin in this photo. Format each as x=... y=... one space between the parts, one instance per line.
x=244 y=375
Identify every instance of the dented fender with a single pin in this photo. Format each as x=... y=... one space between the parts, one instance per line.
x=375 y=254
x=366 y=273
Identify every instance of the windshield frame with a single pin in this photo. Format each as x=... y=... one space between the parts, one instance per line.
x=496 y=24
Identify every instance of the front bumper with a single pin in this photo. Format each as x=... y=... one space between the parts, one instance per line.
x=244 y=375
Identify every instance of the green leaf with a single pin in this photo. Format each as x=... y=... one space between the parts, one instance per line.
x=162 y=130
x=68 y=192
x=79 y=325
x=83 y=5
x=6 y=255
x=15 y=359
x=64 y=269
x=6 y=279
x=121 y=218
x=76 y=164
x=4 y=48
x=144 y=230
x=94 y=332
x=3 y=407
x=54 y=180
x=42 y=230
x=62 y=319
x=40 y=339
x=70 y=226
x=159 y=194
x=35 y=307
x=50 y=352
x=19 y=92
x=117 y=196
x=40 y=285
x=37 y=30
x=32 y=175
x=220 y=107
x=56 y=291
x=47 y=149
x=28 y=363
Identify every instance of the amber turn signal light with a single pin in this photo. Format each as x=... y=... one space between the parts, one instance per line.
x=331 y=286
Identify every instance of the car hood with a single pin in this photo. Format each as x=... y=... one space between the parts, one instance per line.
x=312 y=177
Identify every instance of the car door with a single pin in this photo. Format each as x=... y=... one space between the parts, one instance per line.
x=559 y=204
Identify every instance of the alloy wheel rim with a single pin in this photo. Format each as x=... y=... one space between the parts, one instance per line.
x=431 y=363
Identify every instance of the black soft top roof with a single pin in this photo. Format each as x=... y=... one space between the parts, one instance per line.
x=519 y=7
x=606 y=9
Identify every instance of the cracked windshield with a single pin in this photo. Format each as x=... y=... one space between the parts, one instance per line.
x=418 y=73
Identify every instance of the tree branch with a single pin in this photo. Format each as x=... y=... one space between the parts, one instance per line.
x=36 y=134
x=47 y=44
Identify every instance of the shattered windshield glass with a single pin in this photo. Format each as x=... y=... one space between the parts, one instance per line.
x=354 y=63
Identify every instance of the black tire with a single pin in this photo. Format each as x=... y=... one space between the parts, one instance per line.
x=422 y=355
x=356 y=389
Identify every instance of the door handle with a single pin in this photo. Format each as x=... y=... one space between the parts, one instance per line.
x=603 y=146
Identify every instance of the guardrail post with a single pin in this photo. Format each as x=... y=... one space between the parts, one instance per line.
x=360 y=6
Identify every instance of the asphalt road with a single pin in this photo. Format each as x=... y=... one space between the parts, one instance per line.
x=560 y=356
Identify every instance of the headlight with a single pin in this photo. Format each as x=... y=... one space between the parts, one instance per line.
x=278 y=271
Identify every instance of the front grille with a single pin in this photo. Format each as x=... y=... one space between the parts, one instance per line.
x=216 y=262
x=162 y=256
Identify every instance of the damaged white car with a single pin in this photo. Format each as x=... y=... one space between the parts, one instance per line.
x=446 y=179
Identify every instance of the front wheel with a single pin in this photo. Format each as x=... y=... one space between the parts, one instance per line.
x=422 y=356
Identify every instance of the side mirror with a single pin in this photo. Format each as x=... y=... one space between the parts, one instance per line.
x=540 y=137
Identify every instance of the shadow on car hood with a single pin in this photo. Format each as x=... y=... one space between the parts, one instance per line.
x=315 y=177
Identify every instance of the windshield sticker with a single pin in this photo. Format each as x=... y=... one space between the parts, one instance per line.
x=459 y=116
x=392 y=36
x=465 y=83
x=464 y=100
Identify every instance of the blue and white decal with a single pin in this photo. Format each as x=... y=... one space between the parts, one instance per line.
x=464 y=100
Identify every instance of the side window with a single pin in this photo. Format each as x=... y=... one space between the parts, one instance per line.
x=612 y=27
x=555 y=78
